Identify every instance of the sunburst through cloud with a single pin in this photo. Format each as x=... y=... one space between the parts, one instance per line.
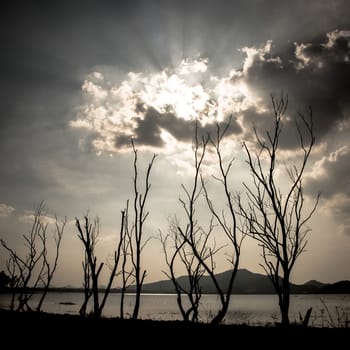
x=158 y=108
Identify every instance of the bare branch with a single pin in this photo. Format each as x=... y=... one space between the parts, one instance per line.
x=275 y=219
x=28 y=271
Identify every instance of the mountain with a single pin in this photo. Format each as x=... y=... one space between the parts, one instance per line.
x=341 y=287
x=246 y=282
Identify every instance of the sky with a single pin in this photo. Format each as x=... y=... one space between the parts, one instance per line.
x=79 y=79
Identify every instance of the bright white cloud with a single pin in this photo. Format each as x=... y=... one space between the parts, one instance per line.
x=335 y=35
x=262 y=54
x=303 y=60
x=195 y=66
x=94 y=90
x=113 y=110
x=6 y=210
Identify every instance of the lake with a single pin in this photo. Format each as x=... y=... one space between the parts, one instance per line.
x=329 y=310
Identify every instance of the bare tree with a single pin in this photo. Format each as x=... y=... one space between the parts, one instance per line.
x=50 y=268
x=191 y=241
x=23 y=267
x=86 y=285
x=14 y=284
x=180 y=253
x=126 y=272
x=227 y=223
x=34 y=269
x=128 y=253
x=116 y=258
x=194 y=241
x=136 y=233
x=88 y=234
x=274 y=216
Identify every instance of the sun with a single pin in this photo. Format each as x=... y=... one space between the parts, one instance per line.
x=175 y=95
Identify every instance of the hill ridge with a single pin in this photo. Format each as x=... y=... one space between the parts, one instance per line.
x=246 y=282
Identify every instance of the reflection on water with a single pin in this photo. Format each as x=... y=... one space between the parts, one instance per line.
x=328 y=310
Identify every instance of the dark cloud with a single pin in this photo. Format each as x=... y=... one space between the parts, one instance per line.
x=330 y=176
x=314 y=73
x=148 y=129
x=318 y=76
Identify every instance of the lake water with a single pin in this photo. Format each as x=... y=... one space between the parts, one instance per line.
x=330 y=310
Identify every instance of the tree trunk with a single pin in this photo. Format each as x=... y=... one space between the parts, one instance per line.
x=96 y=299
x=284 y=304
x=139 y=282
x=137 y=302
x=220 y=315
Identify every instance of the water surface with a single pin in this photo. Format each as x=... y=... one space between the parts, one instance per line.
x=329 y=310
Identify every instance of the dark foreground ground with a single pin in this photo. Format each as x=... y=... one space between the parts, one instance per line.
x=46 y=331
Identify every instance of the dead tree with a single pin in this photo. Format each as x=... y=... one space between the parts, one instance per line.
x=88 y=234
x=24 y=266
x=49 y=269
x=226 y=222
x=86 y=285
x=180 y=253
x=126 y=271
x=198 y=240
x=14 y=284
x=34 y=268
x=274 y=216
x=191 y=241
x=137 y=241
x=131 y=244
x=116 y=258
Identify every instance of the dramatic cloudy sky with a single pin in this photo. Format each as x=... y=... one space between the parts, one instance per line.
x=79 y=79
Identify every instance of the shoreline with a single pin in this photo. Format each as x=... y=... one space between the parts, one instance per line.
x=25 y=327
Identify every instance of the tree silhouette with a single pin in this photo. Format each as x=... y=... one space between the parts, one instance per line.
x=194 y=245
x=180 y=252
x=5 y=281
x=49 y=269
x=136 y=232
x=34 y=268
x=227 y=223
x=272 y=215
x=128 y=253
x=126 y=274
x=88 y=234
